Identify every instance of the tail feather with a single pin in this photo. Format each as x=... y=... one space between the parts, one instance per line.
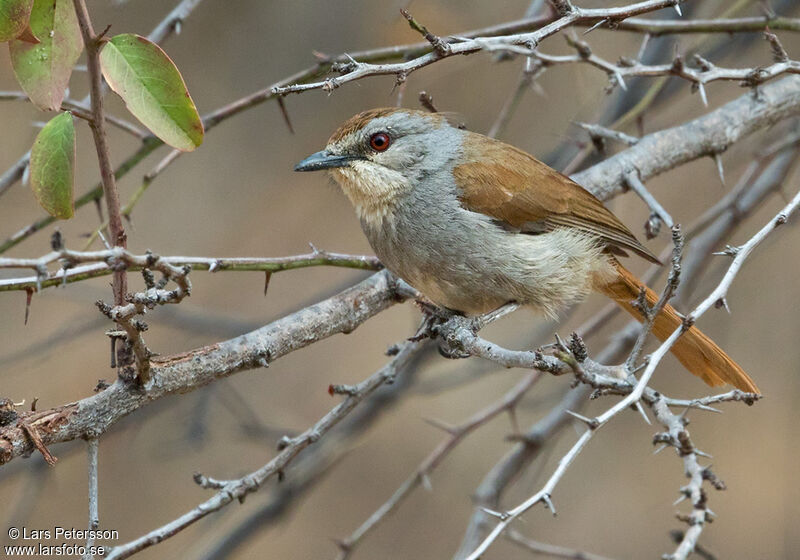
x=698 y=353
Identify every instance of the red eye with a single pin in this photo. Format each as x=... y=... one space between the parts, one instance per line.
x=379 y=141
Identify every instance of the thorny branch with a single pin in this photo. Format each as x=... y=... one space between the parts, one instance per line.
x=181 y=373
x=79 y=110
x=82 y=265
x=355 y=70
x=706 y=72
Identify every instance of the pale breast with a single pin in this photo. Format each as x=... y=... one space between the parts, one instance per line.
x=464 y=261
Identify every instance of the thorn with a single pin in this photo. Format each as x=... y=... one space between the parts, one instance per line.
x=284 y=442
x=702 y=454
x=549 y=503
x=677 y=7
x=103 y=33
x=679 y=500
x=28 y=298
x=643 y=413
x=426 y=482
x=596 y=25
x=439 y=424
x=702 y=89
x=267 y=277
x=590 y=422
x=661 y=448
x=722 y=302
x=705 y=407
x=285 y=114
x=621 y=81
x=730 y=251
x=720 y=170
x=493 y=513
x=104 y=240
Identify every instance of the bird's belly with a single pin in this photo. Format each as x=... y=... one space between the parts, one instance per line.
x=480 y=267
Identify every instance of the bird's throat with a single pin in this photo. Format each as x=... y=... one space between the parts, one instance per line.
x=372 y=189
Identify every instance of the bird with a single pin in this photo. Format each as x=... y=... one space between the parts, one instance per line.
x=473 y=223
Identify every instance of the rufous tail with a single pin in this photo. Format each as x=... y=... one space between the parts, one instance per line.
x=698 y=353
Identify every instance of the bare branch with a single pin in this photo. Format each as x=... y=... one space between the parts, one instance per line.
x=185 y=372
x=94 y=515
x=104 y=262
x=712 y=133
x=356 y=70
x=79 y=110
x=656 y=27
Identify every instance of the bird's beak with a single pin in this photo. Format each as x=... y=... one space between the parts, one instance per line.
x=323 y=160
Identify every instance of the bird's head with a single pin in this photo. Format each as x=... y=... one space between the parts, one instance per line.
x=381 y=154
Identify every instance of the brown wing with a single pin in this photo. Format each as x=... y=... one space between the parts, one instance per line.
x=527 y=195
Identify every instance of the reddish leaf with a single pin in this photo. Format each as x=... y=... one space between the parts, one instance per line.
x=14 y=17
x=43 y=69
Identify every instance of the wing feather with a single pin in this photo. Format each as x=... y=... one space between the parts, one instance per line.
x=516 y=189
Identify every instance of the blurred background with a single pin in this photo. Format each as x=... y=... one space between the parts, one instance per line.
x=237 y=196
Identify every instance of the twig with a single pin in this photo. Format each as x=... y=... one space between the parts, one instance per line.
x=657 y=27
x=357 y=70
x=103 y=263
x=747 y=77
x=678 y=436
x=511 y=104
x=79 y=110
x=92 y=44
x=597 y=132
x=651 y=313
x=94 y=516
x=311 y=468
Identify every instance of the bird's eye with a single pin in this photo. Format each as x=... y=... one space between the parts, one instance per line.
x=379 y=141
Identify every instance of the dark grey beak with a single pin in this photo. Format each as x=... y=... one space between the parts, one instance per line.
x=323 y=160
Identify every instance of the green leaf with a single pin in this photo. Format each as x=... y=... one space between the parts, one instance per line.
x=153 y=90
x=43 y=69
x=14 y=16
x=53 y=165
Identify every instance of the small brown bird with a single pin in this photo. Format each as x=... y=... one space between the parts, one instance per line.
x=474 y=223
